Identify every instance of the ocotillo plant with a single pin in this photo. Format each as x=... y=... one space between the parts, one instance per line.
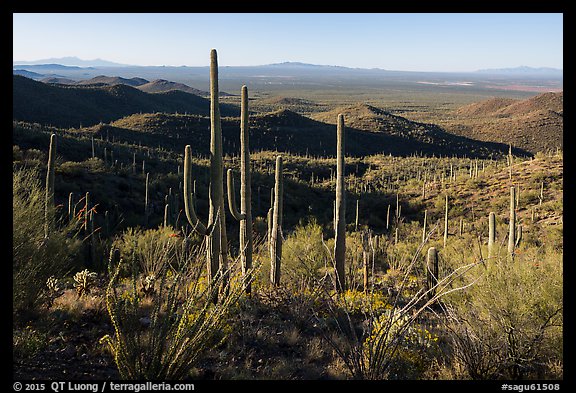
x=491 y=234
x=432 y=271
x=49 y=200
x=245 y=213
x=512 y=223
x=276 y=233
x=216 y=242
x=340 y=220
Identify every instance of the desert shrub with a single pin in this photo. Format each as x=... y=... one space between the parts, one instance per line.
x=150 y=249
x=36 y=258
x=509 y=325
x=28 y=341
x=305 y=259
x=17 y=154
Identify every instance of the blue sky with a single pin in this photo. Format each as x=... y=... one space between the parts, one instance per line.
x=410 y=42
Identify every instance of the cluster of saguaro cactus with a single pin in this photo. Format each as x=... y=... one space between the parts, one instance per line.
x=244 y=216
x=276 y=230
x=49 y=200
x=216 y=241
x=340 y=216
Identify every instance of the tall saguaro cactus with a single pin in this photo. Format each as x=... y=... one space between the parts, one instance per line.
x=216 y=242
x=244 y=216
x=424 y=226
x=432 y=271
x=340 y=221
x=49 y=200
x=276 y=233
x=491 y=234
x=446 y=222
x=510 y=161
x=512 y=223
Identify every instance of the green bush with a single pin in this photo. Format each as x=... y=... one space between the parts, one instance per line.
x=509 y=324
x=36 y=258
x=149 y=250
x=304 y=256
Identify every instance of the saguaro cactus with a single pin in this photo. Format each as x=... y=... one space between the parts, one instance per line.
x=49 y=200
x=432 y=271
x=491 y=234
x=510 y=161
x=166 y=215
x=245 y=213
x=276 y=232
x=216 y=242
x=518 y=236
x=357 y=214
x=71 y=212
x=424 y=226
x=367 y=247
x=512 y=223
x=86 y=211
x=340 y=221
x=146 y=202
x=446 y=222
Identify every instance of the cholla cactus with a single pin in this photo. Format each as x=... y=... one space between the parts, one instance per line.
x=148 y=284
x=53 y=291
x=84 y=281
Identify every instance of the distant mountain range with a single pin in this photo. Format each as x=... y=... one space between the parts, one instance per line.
x=307 y=76
x=77 y=62
x=72 y=61
x=523 y=70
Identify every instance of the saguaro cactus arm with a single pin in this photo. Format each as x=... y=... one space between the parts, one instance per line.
x=188 y=205
x=232 y=199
